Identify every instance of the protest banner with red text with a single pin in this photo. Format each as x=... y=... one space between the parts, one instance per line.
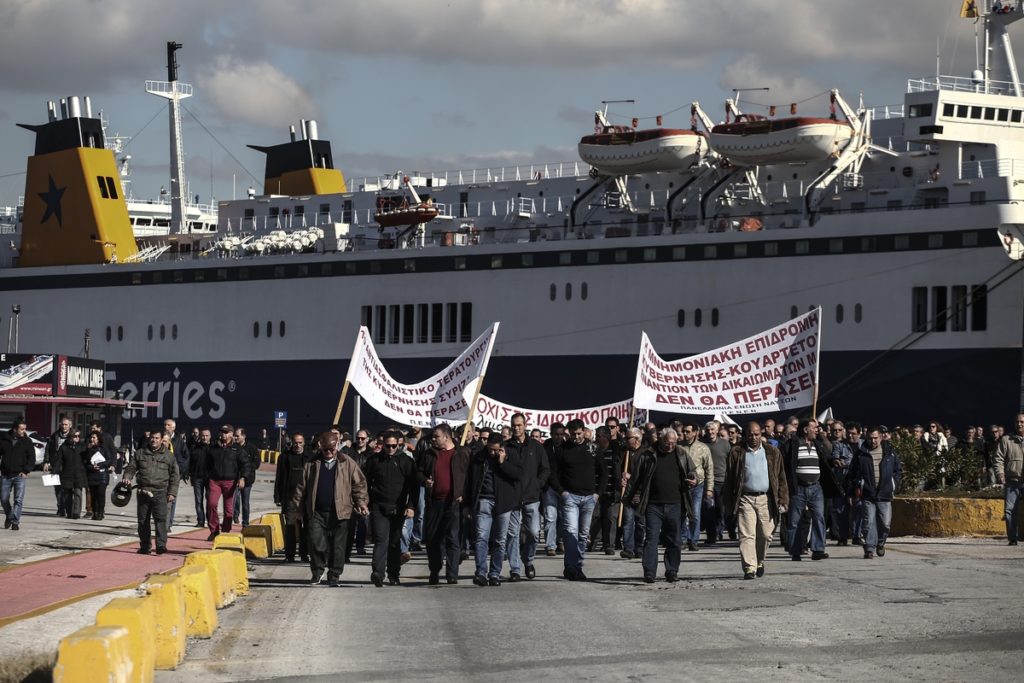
x=445 y=397
x=495 y=415
x=773 y=370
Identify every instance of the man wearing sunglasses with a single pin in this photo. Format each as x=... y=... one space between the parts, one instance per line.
x=394 y=490
x=442 y=471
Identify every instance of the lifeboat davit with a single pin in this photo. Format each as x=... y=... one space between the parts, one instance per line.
x=754 y=140
x=622 y=150
x=413 y=214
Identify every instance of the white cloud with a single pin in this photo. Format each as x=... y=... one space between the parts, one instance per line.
x=255 y=92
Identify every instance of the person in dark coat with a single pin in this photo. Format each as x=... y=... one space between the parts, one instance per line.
x=287 y=479
x=67 y=462
x=97 y=461
x=810 y=480
x=393 y=486
x=197 y=456
x=492 y=492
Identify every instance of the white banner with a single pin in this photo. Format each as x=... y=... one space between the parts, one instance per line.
x=773 y=370
x=445 y=397
x=495 y=414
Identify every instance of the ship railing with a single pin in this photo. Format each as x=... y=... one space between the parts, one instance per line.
x=959 y=84
x=886 y=111
x=165 y=200
x=992 y=168
x=474 y=176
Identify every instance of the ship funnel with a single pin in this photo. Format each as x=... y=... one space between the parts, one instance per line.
x=88 y=106
x=291 y=132
x=311 y=131
x=63 y=108
x=51 y=111
x=74 y=107
x=302 y=128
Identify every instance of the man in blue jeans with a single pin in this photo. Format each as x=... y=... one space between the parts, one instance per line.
x=874 y=477
x=1009 y=467
x=809 y=479
x=549 y=498
x=577 y=476
x=526 y=515
x=17 y=459
x=493 y=492
x=662 y=477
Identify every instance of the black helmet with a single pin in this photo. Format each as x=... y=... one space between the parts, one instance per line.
x=121 y=495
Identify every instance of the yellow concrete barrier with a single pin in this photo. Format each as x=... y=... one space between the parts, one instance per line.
x=221 y=570
x=258 y=540
x=943 y=517
x=138 y=616
x=274 y=521
x=168 y=595
x=95 y=653
x=198 y=588
x=237 y=569
x=229 y=541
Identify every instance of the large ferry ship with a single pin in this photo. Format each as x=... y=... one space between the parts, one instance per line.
x=903 y=222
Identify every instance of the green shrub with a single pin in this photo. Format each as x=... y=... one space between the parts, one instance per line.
x=957 y=469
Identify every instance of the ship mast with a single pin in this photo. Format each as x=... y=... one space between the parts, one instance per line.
x=999 y=66
x=174 y=92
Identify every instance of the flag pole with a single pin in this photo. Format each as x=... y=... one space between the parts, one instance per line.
x=817 y=367
x=622 y=503
x=472 y=409
x=348 y=377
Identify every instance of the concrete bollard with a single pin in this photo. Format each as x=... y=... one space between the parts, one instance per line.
x=276 y=524
x=95 y=653
x=167 y=592
x=221 y=571
x=229 y=541
x=138 y=616
x=234 y=561
x=258 y=540
x=198 y=588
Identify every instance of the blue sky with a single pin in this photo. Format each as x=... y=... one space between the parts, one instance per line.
x=441 y=84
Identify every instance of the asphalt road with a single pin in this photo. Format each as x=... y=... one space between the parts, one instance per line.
x=946 y=609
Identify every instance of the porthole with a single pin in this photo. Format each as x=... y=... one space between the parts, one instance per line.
x=255 y=330
x=280 y=329
x=108 y=333
x=554 y=292
x=174 y=331
x=120 y=333
x=270 y=329
x=583 y=291
x=149 y=333
x=577 y=190
x=568 y=291
x=163 y=332
x=697 y=315
x=858 y=313
x=714 y=317
x=681 y=318
x=839 y=314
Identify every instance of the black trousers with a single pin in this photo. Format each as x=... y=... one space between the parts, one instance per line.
x=327 y=536
x=605 y=521
x=356 y=536
x=295 y=534
x=441 y=523
x=152 y=507
x=99 y=498
x=387 y=546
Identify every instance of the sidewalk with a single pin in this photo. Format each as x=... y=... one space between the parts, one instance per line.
x=53 y=561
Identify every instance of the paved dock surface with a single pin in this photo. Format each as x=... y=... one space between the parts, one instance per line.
x=949 y=609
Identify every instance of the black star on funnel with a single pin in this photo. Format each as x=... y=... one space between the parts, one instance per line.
x=52 y=198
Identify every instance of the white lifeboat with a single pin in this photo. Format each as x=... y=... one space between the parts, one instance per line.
x=752 y=140
x=622 y=150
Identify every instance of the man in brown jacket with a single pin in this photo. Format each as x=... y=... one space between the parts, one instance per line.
x=332 y=487
x=757 y=493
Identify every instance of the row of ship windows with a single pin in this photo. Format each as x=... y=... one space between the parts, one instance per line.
x=419 y=323
x=107 y=188
x=837 y=245
x=256 y=327
x=858 y=313
x=150 y=332
x=553 y=291
x=698 y=317
x=974 y=112
x=957 y=309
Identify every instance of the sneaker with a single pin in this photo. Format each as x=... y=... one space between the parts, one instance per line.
x=406 y=556
x=749 y=575
x=857 y=540
x=14 y=526
x=531 y=572
x=822 y=555
x=160 y=551
x=376 y=579
x=626 y=555
x=514 y=577
x=868 y=555
x=648 y=579
x=760 y=569
x=550 y=552
x=671 y=577
x=316 y=579
x=880 y=551
x=494 y=581
x=333 y=582
x=479 y=580
x=434 y=579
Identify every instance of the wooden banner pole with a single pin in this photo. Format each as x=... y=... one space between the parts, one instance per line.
x=341 y=402
x=472 y=409
x=622 y=503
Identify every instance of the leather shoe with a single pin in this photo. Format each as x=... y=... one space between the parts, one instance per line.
x=434 y=580
x=513 y=577
x=394 y=581
x=760 y=570
x=213 y=535
x=494 y=581
x=820 y=555
x=692 y=546
x=869 y=556
x=160 y=551
x=796 y=558
x=377 y=579
x=609 y=551
x=550 y=552
x=569 y=574
x=7 y=524
x=880 y=551
x=626 y=555
x=405 y=557
x=143 y=551
x=479 y=580
x=531 y=572
x=316 y=579
x=842 y=543
x=452 y=582
x=14 y=526
x=749 y=575
x=671 y=577
x=580 y=576
x=333 y=582
x=1011 y=543
x=648 y=579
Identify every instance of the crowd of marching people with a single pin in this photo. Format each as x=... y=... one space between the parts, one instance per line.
x=492 y=497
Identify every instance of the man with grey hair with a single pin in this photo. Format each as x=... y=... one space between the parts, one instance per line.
x=703 y=468
x=632 y=522
x=716 y=517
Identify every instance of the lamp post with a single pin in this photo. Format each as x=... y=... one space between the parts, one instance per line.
x=13 y=329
